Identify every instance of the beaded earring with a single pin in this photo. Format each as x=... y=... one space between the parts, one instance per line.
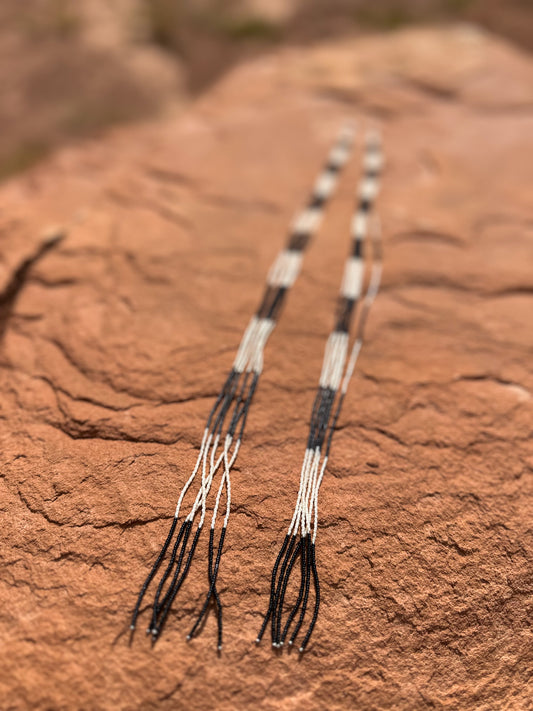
x=226 y=422
x=337 y=370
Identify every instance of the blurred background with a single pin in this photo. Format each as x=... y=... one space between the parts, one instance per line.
x=71 y=68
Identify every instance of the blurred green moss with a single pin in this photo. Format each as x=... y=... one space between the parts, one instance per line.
x=57 y=19
x=163 y=22
x=383 y=18
x=249 y=28
x=456 y=5
x=24 y=156
x=168 y=20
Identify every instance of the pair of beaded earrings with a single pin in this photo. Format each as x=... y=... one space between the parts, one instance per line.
x=226 y=422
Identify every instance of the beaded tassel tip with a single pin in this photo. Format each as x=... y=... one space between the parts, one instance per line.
x=226 y=423
x=298 y=548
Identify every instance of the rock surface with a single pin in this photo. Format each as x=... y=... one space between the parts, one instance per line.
x=119 y=324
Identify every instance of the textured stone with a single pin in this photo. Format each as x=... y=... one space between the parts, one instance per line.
x=119 y=325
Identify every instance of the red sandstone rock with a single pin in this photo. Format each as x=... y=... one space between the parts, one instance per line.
x=116 y=337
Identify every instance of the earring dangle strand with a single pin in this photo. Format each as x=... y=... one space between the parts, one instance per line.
x=337 y=370
x=226 y=422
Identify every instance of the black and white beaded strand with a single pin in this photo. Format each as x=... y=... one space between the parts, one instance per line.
x=337 y=370
x=226 y=422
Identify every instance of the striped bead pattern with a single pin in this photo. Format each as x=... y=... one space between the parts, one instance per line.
x=227 y=420
x=337 y=370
